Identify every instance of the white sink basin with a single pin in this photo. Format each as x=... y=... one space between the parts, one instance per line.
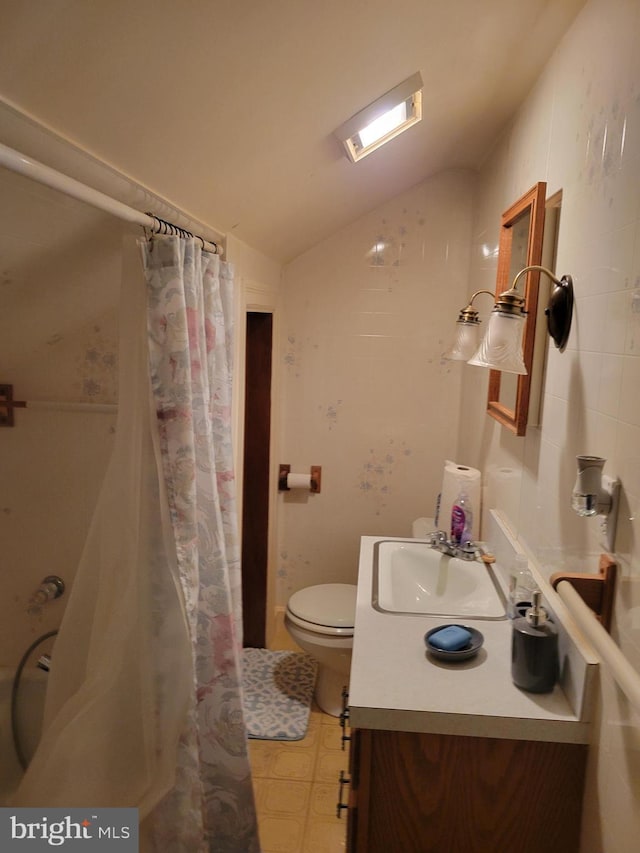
x=412 y=577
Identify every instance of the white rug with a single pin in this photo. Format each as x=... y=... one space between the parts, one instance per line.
x=278 y=688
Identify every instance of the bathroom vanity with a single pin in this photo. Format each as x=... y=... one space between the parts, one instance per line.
x=429 y=793
x=452 y=756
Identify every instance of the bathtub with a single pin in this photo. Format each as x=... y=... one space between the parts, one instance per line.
x=30 y=706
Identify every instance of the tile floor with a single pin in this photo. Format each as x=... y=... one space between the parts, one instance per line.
x=296 y=784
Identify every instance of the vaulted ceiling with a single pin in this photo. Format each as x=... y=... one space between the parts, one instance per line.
x=227 y=107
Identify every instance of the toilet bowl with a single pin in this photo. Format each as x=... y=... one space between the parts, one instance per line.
x=320 y=619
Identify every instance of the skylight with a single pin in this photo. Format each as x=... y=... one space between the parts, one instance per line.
x=383 y=120
x=387 y=123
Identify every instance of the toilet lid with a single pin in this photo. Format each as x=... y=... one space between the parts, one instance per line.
x=329 y=604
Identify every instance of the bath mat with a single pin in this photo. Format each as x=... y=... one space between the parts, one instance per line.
x=277 y=687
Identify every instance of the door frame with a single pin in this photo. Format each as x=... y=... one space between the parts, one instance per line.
x=256 y=297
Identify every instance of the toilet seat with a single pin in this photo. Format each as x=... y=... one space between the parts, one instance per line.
x=324 y=609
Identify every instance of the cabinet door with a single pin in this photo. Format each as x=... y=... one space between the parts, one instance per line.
x=434 y=793
x=359 y=797
x=354 y=775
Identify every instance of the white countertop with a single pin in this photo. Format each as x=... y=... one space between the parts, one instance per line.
x=396 y=685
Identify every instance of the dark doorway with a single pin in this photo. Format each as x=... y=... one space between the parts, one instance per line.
x=255 y=484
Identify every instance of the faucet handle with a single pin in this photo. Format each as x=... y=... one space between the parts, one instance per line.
x=468 y=551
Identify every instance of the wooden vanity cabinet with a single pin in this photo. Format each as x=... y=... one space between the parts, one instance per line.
x=428 y=793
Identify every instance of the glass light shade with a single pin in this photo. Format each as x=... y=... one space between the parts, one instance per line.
x=501 y=347
x=465 y=343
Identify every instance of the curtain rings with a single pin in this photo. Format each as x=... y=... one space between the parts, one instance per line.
x=165 y=228
x=152 y=229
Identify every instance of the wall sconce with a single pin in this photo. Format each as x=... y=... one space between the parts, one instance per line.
x=501 y=347
x=596 y=494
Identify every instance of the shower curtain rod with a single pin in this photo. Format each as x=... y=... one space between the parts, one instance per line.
x=23 y=165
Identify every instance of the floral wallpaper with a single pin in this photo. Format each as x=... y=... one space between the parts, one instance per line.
x=366 y=391
x=383 y=466
x=96 y=367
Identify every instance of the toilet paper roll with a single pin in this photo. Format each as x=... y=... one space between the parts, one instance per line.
x=299 y=481
x=503 y=490
x=422 y=527
x=456 y=478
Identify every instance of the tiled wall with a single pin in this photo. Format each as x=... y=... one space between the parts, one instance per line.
x=579 y=130
x=366 y=393
x=59 y=286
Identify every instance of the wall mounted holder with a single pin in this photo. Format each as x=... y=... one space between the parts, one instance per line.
x=7 y=405
x=609 y=522
x=311 y=481
x=596 y=590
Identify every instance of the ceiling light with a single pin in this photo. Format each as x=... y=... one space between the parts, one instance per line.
x=388 y=116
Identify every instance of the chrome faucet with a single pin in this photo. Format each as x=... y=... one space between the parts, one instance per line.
x=440 y=542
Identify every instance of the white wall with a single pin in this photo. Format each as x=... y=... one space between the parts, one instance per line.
x=366 y=394
x=579 y=130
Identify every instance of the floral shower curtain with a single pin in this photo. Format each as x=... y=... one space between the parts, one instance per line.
x=190 y=317
x=144 y=704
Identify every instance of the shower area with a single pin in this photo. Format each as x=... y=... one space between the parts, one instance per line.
x=104 y=486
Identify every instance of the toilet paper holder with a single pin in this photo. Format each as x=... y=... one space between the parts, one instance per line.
x=314 y=477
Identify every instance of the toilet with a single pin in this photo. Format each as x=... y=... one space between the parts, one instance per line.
x=320 y=619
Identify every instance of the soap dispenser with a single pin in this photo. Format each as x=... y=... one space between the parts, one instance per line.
x=534 y=650
x=461 y=519
x=521 y=586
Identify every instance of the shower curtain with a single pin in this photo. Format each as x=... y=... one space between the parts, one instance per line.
x=144 y=705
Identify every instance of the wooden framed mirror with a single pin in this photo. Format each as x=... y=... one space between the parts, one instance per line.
x=521 y=237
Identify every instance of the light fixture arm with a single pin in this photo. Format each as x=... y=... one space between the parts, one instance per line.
x=512 y=302
x=469 y=314
x=558 y=312
x=540 y=269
